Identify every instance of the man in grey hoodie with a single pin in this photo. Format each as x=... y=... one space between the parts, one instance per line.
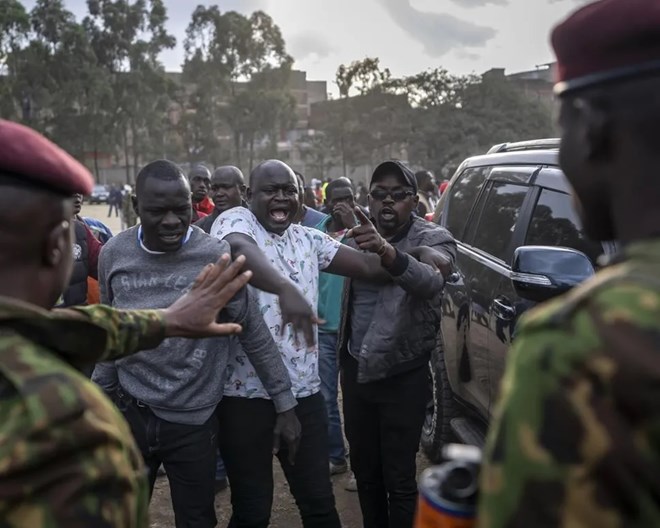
x=169 y=395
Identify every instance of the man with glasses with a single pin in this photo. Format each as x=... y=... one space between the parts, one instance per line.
x=286 y=259
x=387 y=335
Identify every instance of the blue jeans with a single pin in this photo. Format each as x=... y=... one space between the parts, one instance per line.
x=329 y=373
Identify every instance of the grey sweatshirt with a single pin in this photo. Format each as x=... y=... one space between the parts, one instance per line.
x=182 y=380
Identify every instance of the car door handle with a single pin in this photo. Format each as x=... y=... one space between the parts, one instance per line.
x=453 y=278
x=503 y=309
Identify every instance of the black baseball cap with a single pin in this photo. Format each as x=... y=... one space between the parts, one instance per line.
x=395 y=167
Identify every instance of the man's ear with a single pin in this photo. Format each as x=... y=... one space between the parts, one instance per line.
x=58 y=242
x=596 y=125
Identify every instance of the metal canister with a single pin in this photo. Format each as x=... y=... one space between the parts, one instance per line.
x=448 y=493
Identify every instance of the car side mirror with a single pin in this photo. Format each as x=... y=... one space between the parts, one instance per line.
x=540 y=273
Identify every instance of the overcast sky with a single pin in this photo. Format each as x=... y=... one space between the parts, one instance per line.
x=464 y=36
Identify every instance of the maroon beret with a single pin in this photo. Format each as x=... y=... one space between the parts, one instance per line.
x=607 y=41
x=28 y=157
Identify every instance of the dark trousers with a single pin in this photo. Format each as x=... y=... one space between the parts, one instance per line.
x=383 y=423
x=115 y=206
x=246 y=444
x=188 y=454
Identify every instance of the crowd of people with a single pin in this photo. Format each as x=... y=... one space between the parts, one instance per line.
x=229 y=317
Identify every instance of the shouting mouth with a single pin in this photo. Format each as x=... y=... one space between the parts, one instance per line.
x=279 y=215
x=388 y=215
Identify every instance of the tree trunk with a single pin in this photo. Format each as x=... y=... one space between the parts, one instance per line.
x=96 y=162
x=126 y=156
x=251 y=153
x=343 y=156
x=237 y=145
x=136 y=155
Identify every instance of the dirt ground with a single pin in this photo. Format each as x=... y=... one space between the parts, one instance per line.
x=285 y=513
x=100 y=212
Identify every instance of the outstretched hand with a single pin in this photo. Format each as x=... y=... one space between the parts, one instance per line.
x=366 y=235
x=195 y=313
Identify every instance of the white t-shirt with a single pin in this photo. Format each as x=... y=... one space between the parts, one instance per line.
x=299 y=254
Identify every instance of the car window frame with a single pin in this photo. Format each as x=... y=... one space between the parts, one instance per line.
x=538 y=190
x=517 y=237
x=447 y=198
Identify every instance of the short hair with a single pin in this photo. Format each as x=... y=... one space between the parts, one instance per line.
x=334 y=184
x=422 y=176
x=239 y=179
x=163 y=170
x=199 y=170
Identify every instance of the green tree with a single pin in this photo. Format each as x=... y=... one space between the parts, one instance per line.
x=462 y=116
x=363 y=76
x=127 y=38
x=14 y=34
x=239 y=68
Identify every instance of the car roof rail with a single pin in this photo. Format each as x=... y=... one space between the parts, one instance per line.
x=536 y=144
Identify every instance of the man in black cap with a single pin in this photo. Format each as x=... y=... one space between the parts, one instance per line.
x=387 y=335
x=576 y=436
x=67 y=457
x=286 y=259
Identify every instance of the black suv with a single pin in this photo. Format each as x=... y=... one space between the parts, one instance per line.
x=520 y=242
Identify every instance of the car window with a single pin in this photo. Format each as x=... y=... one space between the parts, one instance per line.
x=462 y=196
x=498 y=218
x=556 y=223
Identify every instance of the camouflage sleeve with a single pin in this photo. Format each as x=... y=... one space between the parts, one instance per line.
x=572 y=439
x=128 y=331
x=67 y=457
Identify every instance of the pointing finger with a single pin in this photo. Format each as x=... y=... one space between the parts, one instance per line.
x=362 y=218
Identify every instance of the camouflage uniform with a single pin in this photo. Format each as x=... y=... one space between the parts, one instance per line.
x=576 y=438
x=67 y=457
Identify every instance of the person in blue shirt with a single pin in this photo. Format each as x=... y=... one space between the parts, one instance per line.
x=340 y=201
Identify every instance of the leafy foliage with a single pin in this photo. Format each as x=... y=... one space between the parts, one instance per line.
x=97 y=87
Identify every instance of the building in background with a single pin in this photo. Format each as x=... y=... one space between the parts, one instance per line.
x=305 y=92
x=536 y=84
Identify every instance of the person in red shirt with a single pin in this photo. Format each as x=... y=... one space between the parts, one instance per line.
x=200 y=185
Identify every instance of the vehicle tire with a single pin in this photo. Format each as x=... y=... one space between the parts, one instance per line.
x=441 y=410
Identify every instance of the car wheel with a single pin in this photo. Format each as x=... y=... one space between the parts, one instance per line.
x=440 y=411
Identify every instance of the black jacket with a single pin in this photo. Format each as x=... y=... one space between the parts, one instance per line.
x=406 y=320
x=76 y=292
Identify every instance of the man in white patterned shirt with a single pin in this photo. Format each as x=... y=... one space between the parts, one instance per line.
x=286 y=260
